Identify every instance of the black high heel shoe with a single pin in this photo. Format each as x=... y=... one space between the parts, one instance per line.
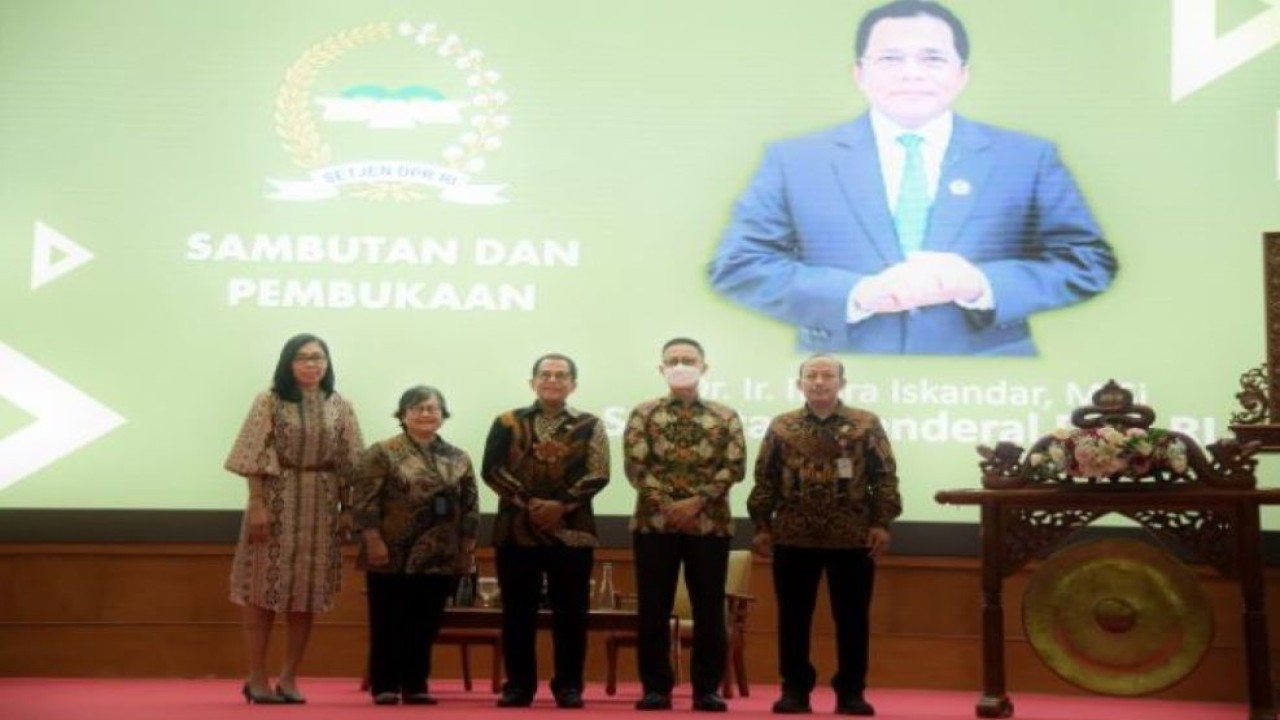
x=253 y=697
x=290 y=697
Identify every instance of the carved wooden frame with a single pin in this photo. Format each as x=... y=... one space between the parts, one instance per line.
x=1209 y=505
x=1260 y=387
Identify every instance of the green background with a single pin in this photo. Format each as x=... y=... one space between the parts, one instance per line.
x=129 y=126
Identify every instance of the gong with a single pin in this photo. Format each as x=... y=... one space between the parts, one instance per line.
x=1118 y=617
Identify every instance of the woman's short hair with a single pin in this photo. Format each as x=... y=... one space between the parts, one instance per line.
x=418 y=394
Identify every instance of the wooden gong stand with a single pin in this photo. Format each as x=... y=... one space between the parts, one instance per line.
x=1210 y=507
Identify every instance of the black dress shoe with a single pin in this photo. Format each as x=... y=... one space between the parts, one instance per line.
x=386 y=698
x=653 y=700
x=710 y=702
x=569 y=699
x=854 y=705
x=418 y=698
x=515 y=698
x=792 y=704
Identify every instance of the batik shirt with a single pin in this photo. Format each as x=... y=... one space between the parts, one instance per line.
x=424 y=502
x=823 y=482
x=563 y=457
x=676 y=450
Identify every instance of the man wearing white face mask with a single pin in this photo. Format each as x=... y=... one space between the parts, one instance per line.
x=682 y=455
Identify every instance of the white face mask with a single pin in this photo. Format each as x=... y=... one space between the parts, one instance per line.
x=680 y=377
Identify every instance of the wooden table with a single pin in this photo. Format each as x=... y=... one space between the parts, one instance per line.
x=475 y=625
x=490 y=618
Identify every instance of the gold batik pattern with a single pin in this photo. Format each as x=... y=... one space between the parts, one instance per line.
x=824 y=482
x=675 y=450
x=304 y=453
x=424 y=502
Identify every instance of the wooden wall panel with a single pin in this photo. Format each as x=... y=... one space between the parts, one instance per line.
x=157 y=611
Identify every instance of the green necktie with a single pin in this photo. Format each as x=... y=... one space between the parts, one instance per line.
x=911 y=216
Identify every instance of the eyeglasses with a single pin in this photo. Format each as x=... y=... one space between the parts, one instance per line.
x=558 y=376
x=897 y=61
x=674 y=361
x=424 y=409
x=311 y=358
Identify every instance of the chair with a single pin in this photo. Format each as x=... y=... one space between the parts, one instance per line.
x=464 y=639
x=737 y=608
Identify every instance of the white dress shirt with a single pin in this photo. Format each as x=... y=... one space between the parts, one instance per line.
x=935 y=137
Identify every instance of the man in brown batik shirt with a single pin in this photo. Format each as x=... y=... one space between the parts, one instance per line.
x=546 y=462
x=826 y=491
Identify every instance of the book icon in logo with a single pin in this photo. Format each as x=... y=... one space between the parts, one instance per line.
x=383 y=108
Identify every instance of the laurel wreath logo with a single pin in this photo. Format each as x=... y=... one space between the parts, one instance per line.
x=295 y=120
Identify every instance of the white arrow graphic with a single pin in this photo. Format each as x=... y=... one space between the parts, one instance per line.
x=1200 y=56
x=53 y=255
x=66 y=419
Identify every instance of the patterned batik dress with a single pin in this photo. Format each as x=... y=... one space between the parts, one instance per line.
x=305 y=453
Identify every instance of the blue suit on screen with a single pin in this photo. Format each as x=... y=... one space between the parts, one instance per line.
x=815 y=220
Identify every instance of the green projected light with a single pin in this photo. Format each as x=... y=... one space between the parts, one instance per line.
x=445 y=190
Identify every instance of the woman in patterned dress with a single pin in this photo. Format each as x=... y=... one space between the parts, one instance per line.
x=417 y=508
x=296 y=449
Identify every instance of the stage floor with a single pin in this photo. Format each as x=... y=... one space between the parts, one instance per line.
x=340 y=699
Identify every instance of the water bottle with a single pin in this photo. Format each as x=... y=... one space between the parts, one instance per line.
x=606 y=595
x=465 y=596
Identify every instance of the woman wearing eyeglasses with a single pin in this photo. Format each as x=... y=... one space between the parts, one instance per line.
x=417 y=510
x=296 y=449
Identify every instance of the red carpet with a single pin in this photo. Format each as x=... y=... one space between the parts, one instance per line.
x=330 y=699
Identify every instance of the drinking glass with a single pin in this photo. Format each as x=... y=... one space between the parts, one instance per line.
x=487 y=589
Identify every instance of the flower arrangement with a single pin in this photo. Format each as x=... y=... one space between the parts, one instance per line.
x=1108 y=452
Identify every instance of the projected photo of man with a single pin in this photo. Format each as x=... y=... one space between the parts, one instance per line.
x=912 y=230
